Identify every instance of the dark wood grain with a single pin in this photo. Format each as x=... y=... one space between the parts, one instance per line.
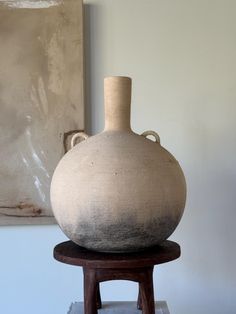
x=70 y=253
x=99 y=267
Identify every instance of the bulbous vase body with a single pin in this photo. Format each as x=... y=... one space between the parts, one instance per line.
x=118 y=191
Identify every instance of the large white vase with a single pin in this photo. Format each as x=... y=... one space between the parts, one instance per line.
x=118 y=191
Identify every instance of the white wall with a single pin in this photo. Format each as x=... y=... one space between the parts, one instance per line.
x=181 y=56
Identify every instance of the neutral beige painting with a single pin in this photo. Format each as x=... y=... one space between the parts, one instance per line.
x=41 y=101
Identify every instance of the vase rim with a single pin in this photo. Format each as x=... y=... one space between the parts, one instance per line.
x=117 y=77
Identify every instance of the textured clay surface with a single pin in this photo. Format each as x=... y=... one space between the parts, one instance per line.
x=118 y=191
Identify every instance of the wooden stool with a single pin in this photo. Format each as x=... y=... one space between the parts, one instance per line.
x=98 y=267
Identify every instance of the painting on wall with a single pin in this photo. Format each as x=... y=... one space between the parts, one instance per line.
x=41 y=101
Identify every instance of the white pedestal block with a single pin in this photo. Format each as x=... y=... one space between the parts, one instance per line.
x=118 y=308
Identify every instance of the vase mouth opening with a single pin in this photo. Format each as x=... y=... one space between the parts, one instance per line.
x=117 y=77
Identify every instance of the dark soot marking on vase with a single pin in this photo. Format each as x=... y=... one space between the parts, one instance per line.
x=124 y=236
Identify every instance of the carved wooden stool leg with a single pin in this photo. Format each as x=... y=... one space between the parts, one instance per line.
x=98 y=298
x=90 y=291
x=92 y=278
x=139 y=302
x=100 y=267
x=147 y=293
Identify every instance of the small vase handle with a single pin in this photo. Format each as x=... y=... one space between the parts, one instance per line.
x=81 y=135
x=157 y=137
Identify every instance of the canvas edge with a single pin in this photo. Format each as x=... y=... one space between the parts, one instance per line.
x=19 y=221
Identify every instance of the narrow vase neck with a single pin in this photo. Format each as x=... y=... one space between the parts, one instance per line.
x=117 y=100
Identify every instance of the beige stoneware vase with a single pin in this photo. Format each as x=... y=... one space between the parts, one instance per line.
x=118 y=191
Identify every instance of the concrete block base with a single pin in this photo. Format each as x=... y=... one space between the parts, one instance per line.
x=118 y=308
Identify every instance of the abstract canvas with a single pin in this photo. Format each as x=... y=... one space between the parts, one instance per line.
x=41 y=101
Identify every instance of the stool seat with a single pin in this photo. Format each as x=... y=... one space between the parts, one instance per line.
x=99 y=267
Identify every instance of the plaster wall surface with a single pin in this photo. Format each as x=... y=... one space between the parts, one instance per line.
x=181 y=56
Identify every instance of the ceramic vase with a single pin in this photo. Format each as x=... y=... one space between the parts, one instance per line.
x=118 y=191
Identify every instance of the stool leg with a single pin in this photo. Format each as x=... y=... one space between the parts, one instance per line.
x=98 y=298
x=139 y=302
x=90 y=291
x=147 y=293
